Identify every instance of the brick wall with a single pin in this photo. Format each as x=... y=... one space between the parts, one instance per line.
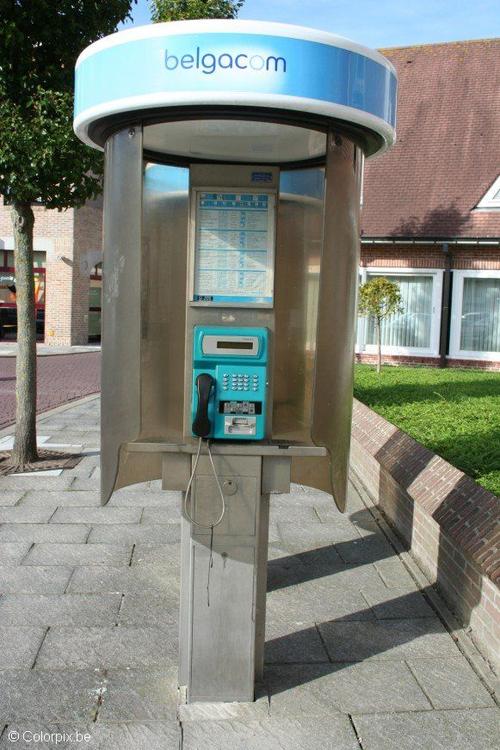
x=72 y=242
x=473 y=257
x=399 y=359
x=447 y=521
x=87 y=251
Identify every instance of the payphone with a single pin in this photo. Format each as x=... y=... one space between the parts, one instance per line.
x=229 y=383
x=234 y=155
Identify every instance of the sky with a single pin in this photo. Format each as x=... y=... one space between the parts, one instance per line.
x=375 y=23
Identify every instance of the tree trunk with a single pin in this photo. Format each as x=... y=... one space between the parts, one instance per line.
x=379 y=345
x=24 y=450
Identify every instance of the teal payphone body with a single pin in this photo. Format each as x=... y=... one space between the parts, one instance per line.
x=229 y=382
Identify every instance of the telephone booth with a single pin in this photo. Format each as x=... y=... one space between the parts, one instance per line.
x=233 y=166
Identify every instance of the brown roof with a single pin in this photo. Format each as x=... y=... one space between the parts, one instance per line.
x=447 y=153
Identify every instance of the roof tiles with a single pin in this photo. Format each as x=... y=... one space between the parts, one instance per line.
x=447 y=152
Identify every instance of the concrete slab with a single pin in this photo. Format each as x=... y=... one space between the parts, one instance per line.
x=298 y=537
x=35 y=482
x=108 y=648
x=157 y=554
x=303 y=645
x=59 y=609
x=11 y=553
x=79 y=554
x=61 y=499
x=144 y=499
x=142 y=580
x=318 y=690
x=396 y=603
x=66 y=696
x=103 y=515
x=140 y=695
x=49 y=533
x=19 y=646
x=475 y=729
x=387 y=639
x=272 y=734
x=26 y=514
x=150 y=608
x=130 y=736
x=450 y=683
x=34 y=579
x=10 y=497
x=155 y=515
x=135 y=534
x=318 y=601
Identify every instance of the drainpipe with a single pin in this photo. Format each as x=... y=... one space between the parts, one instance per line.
x=444 y=337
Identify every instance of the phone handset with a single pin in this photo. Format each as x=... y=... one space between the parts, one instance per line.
x=202 y=425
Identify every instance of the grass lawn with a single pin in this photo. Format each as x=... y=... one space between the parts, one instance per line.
x=455 y=413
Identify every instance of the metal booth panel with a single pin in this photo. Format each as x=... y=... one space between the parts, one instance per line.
x=121 y=302
x=334 y=367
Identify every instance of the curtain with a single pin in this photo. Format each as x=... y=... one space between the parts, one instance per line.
x=480 y=329
x=412 y=328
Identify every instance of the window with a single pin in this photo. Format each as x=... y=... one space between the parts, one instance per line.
x=8 y=309
x=416 y=329
x=491 y=199
x=475 y=324
x=95 y=294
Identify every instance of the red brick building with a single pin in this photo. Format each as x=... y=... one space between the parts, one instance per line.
x=68 y=254
x=430 y=221
x=431 y=208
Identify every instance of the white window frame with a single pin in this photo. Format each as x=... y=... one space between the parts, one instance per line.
x=437 y=290
x=488 y=202
x=456 y=316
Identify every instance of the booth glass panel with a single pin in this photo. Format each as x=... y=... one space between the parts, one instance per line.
x=163 y=294
x=298 y=258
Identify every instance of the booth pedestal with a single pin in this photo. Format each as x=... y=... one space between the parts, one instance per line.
x=224 y=575
x=223 y=585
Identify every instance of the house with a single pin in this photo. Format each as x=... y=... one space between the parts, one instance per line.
x=431 y=209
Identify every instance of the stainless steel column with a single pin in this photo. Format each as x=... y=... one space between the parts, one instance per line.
x=222 y=620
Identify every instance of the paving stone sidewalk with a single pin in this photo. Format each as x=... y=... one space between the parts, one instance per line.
x=356 y=659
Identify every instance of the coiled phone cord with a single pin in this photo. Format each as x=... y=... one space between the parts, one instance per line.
x=188 y=496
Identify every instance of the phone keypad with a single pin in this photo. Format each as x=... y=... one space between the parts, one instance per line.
x=236 y=381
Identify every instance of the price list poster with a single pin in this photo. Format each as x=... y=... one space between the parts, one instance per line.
x=234 y=250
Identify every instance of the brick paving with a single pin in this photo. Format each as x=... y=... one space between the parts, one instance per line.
x=60 y=378
x=356 y=658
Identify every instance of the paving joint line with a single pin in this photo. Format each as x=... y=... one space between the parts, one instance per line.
x=40 y=648
x=323 y=643
x=358 y=737
x=424 y=691
x=21 y=562
x=131 y=555
x=100 y=697
x=66 y=589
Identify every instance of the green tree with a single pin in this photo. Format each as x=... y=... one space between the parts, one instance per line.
x=40 y=158
x=190 y=10
x=379 y=298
